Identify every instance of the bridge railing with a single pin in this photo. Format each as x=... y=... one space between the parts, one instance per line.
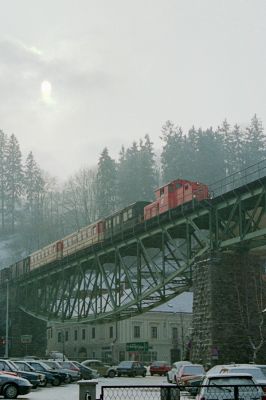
x=239 y=178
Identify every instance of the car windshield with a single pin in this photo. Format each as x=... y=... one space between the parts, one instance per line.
x=125 y=364
x=255 y=372
x=193 y=370
x=158 y=363
x=13 y=365
x=231 y=381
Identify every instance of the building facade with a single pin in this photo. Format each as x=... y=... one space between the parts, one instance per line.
x=163 y=334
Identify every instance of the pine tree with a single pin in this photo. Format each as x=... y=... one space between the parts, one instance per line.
x=254 y=147
x=3 y=177
x=14 y=178
x=171 y=157
x=237 y=149
x=147 y=169
x=106 y=185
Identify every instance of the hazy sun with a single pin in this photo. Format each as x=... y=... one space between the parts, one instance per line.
x=46 y=90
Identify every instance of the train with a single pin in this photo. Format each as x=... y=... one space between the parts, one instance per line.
x=172 y=195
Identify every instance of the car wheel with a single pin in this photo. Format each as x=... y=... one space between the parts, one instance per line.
x=111 y=374
x=43 y=383
x=68 y=379
x=10 y=391
x=56 y=382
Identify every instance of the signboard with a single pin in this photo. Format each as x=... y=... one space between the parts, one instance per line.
x=26 y=339
x=137 y=346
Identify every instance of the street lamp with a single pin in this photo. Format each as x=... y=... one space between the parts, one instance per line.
x=7 y=319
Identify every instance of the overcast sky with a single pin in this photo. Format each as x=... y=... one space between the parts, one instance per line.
x=78 y=75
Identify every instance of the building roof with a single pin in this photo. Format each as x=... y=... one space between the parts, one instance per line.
x=181 y=303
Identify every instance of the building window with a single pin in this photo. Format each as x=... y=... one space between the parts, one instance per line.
x=154 y=332
x=66 y=336
x=75 y=335
x=59 y=337
x=136 y=331
x=122 y=356
x=83 y=334
x=111 y=332
x=93 y=333
x=174 y=333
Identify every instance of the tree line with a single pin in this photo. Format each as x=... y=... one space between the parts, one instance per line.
x=36 y=211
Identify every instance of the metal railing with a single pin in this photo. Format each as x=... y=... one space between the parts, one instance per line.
x=174 y=392
x=239 y=178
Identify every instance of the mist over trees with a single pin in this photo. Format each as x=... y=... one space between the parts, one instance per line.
x=35 y=210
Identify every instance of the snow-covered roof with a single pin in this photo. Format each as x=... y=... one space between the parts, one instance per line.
x=181 y=303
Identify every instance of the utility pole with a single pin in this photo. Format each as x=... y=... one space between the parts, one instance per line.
x=7 y=319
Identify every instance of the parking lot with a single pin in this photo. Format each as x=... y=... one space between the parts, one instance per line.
x=71 y=391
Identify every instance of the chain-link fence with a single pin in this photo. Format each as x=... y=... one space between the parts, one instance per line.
x=173 y=392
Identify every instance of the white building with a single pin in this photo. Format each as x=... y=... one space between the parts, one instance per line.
x=162 y=334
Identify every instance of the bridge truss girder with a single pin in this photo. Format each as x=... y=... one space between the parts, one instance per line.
x=149 y=267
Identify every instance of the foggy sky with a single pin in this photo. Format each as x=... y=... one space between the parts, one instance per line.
x=119 y=69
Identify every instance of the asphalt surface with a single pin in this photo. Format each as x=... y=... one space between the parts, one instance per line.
x=71 y=391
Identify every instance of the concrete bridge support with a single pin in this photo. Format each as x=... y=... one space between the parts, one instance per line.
x=229 y=297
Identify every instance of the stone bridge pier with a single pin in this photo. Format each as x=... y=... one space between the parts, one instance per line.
x=229 y=298
x=26 y=334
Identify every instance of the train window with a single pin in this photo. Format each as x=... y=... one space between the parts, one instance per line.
x=94 y=230
x=161 y=191
x=114 y=223
x=178 y=185
x=186 y=187
x=118 y=219
x=130 y=213
x=124 y=216
x=171 y=188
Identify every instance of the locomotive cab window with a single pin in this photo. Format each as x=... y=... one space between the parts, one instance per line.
x=161 y=191
x=186 y=187
x=178 y=185
x=124 y=216
x=171 y=188
x=130 y=213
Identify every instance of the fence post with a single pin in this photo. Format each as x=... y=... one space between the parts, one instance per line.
x=87 y=389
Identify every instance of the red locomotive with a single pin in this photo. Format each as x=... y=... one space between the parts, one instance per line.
x=173 y=195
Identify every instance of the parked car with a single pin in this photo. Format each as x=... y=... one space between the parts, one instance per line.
x=159 y=368
x=56 y=355
x=24 y=366
x=33 y=377
x=86 y=372
x=73 y=375
x=254 y=371
x=175 y=368
x=13 y=386
x=222 y=386
x=52 y=377
x=191 y=370
x=131 y=368
x=9 y=366
x=102 y=369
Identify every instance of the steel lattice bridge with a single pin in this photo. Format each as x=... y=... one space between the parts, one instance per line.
x=152 y=263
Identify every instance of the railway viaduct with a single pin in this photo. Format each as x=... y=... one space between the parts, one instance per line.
x=216 y=247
